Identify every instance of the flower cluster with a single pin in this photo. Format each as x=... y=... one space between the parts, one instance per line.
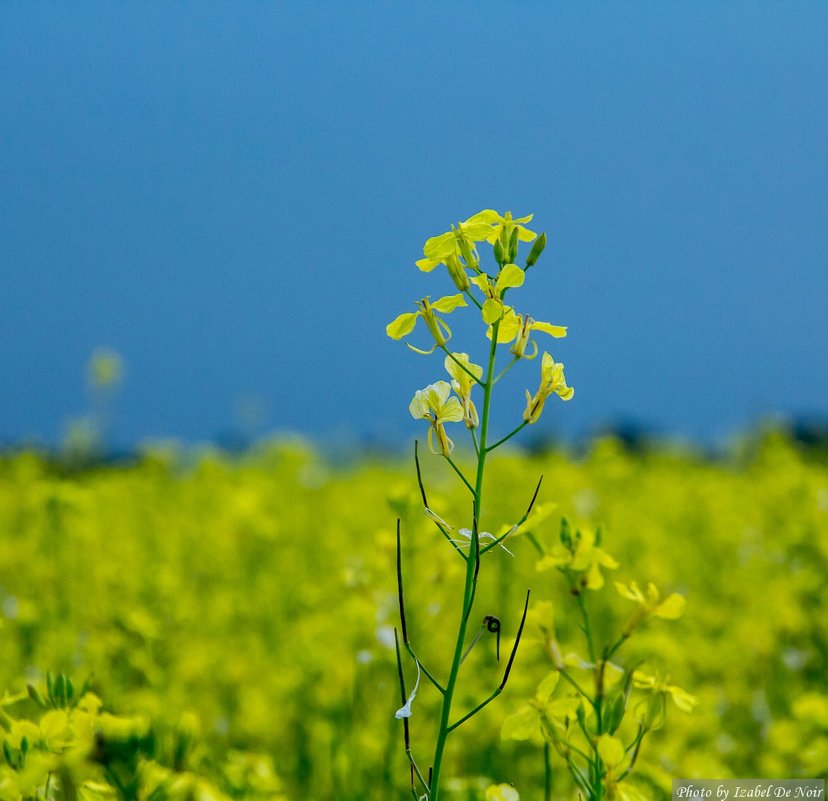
x=457 y=250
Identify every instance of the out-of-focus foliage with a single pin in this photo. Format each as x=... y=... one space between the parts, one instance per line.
x=254 y=599
x=63 y=744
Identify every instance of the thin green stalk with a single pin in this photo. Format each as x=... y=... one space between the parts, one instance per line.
x=425 y=501
x=506 y=369
x=471 y=571
x=621 y=640
x=460 y=474
x=461 y=365
x=508 y=436
x=599 y=691
x=517 y=525
x=499 y=689
x=587 y=629
x=473 y=299
x=474 y=440
x=575 y=684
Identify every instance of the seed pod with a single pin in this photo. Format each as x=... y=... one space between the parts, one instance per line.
x=35 y=695
x=513 y=246
x=614 y=710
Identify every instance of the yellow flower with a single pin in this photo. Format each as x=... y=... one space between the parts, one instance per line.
x=462 y=384
x=671 y=608
x=493 y=309
x=552 y=381
x=583 y=557
x=504 y=225
x=434 y=404
x=404 y=324
x=456 y=269
x=519 y=327
x=611 y=750
x=447 y=248
x=658 y=686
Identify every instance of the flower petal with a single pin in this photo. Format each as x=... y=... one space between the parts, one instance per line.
x=427 y=265
x=521 y=725
x=492 y=311
x=449 y=303
x=402 y=325
x=672 y=608
x=437 y=394
x=487 y=216
x=611 y=750
x=451 y=411
x=510 y=276
x=419 y=405
x=477 y=231
x=440 y=247
x=547 y=328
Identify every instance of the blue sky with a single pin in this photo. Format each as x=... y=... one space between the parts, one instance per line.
x=232 y=196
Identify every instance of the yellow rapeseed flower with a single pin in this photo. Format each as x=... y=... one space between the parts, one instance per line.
x=583 y=557
x=462 y=384
x=552 y=381
x=659 y=686
x=671 y=608
x=519 y=327
x=493 y=308
x=435 y=405
x=404 y=324
x=505 y=224
x=447 y=248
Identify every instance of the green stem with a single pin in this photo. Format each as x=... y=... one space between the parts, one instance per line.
x=459 y=473
x=474 y=440
x=471 y=574
x=517 y=525
x=461 y=365
x=575 y=684
x=506 y=369
x=586 y=628
x=472 y=298
x=508 y=436
x=621 y=640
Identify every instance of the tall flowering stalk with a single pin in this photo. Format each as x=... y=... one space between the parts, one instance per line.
x=484 y=288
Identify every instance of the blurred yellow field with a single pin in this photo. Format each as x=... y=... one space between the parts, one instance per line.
x=250 y=604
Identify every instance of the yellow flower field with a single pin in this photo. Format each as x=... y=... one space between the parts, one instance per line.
x=247 y=607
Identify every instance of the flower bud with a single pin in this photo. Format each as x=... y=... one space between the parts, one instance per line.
x=537 y=249
x=500 y=257
x=653 y=712
x=457 y=273
x=614 y=709
x=468 y=254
